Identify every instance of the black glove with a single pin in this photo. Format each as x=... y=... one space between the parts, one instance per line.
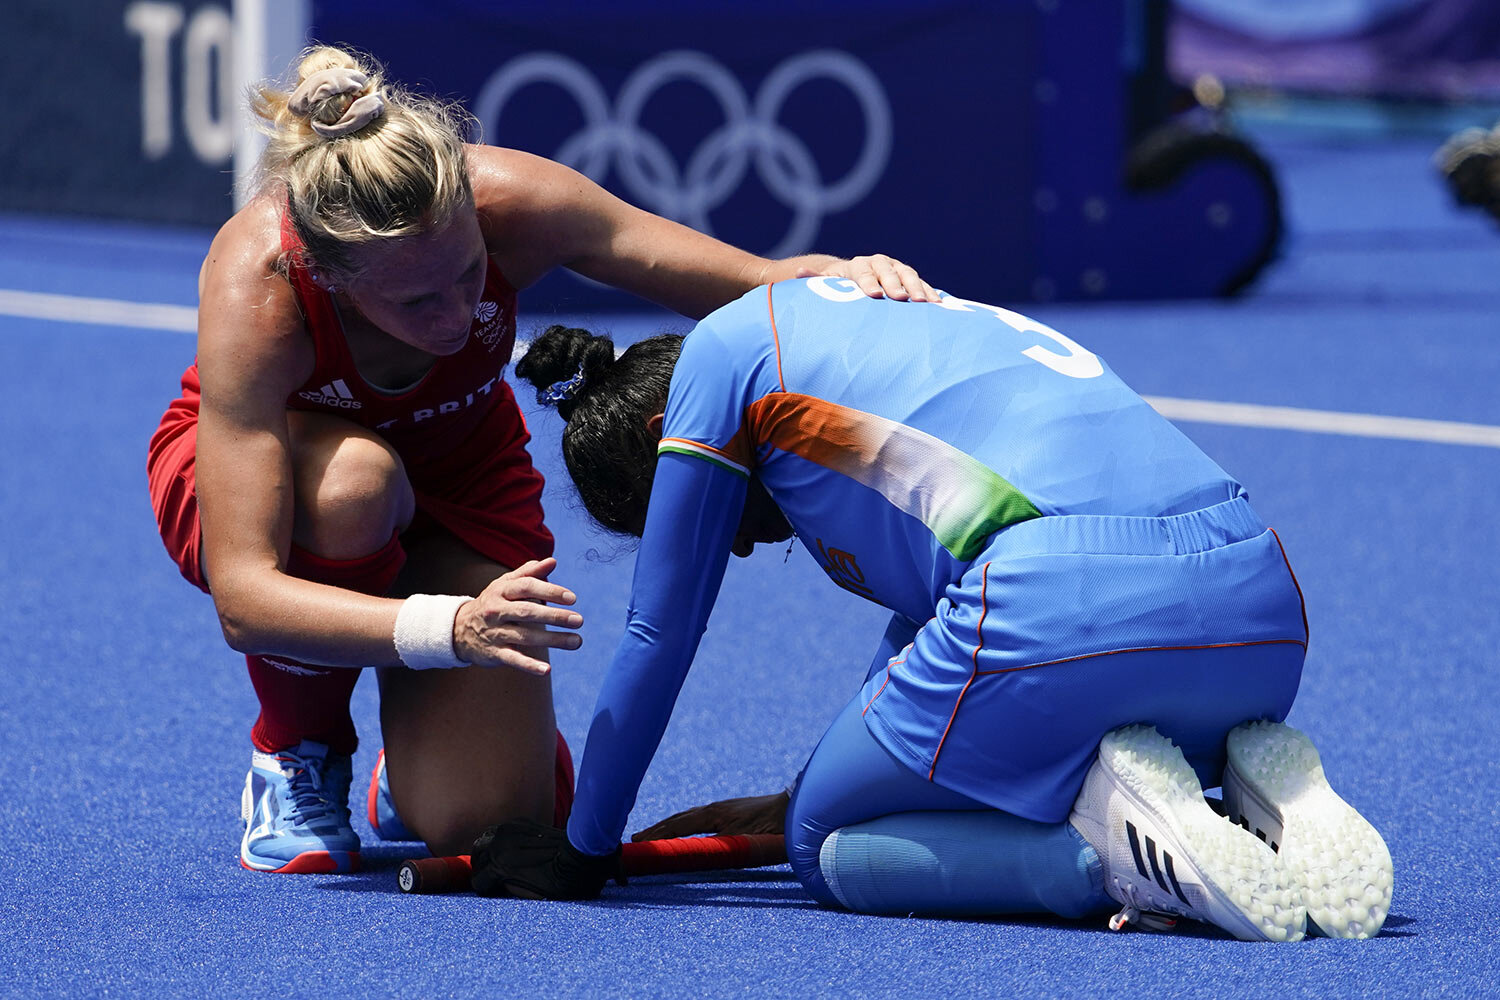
x=530 y=860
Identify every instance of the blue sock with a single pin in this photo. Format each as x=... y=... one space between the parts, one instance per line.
x=962 y=863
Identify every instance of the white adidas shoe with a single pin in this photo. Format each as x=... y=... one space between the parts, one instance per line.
x=1275 y=787
x=1164 y=851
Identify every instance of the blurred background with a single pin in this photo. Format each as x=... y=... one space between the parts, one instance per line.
x=1021 y=150
x=1274 y=218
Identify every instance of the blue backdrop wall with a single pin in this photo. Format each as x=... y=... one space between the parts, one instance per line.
x=996 y=144
x=115 y=108
x=984 y=142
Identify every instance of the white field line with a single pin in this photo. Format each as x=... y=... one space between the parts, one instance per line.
x=1326 y=421
x=184 y=319
x=104 y=312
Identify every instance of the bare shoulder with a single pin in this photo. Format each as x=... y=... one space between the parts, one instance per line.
x=247 y=311
x=508 y=181
x=519 y=193
x=537 y=214
x=245 y=249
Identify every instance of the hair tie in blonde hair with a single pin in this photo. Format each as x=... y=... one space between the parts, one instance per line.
x=361 y=113
x=328 y=83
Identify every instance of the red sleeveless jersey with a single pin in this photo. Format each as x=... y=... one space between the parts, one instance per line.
x=427 y=421
x=457 y=429
x=442 y=410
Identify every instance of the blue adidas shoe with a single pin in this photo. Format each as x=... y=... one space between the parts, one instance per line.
x=380 y=809
x=296 y=812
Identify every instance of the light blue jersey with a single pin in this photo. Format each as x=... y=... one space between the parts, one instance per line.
x=897 y=438
x=999 y=489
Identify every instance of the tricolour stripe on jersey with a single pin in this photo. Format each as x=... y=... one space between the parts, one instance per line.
x=683 y=446
x=960 y=499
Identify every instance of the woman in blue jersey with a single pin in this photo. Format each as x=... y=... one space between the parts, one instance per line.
x=1065 y=570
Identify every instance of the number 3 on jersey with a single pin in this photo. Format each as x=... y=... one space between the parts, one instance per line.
x=1078 y=362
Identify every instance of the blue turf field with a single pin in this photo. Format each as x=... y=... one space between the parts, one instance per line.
x=124 y=718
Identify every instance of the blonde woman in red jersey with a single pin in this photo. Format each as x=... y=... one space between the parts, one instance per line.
x=344 y=455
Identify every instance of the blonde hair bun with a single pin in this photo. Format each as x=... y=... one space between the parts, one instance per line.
x=327 y=99
x=396 y=169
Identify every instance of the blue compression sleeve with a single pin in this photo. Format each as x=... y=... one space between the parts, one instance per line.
x=972 y=863
x=692 y=519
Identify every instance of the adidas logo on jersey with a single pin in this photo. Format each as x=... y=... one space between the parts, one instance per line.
x=335 y=393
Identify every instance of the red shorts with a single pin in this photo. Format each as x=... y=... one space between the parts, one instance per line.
x=486 y=493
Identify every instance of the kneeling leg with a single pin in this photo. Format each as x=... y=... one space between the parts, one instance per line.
x=867 y=833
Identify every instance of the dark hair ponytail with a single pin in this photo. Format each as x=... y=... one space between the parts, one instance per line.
x=609 y=452
x=559 y=356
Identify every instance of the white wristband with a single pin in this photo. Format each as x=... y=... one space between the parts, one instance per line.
x=424 y=631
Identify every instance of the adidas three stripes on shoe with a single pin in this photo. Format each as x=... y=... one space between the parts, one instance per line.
x=1165 y=852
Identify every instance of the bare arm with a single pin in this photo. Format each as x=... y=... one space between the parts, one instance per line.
x=539 y=215
x=253 y=352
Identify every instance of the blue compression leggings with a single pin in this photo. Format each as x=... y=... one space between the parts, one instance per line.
x=893 y=842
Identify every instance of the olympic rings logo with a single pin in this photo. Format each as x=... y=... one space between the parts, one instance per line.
x=751 y=134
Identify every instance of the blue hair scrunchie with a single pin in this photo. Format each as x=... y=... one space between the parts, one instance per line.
x=563 y=390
